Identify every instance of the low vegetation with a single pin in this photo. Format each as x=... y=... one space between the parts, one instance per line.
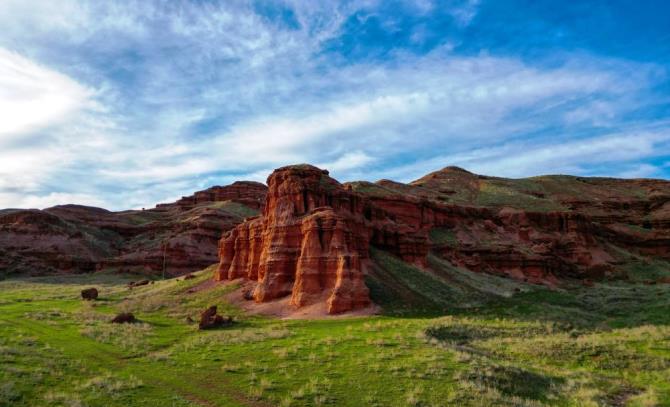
x=454 y=338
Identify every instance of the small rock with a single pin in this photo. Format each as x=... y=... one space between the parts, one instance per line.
x=248 y=295
x=209 y=319
x=89 y=294
x=137 y=283
x=124 y=318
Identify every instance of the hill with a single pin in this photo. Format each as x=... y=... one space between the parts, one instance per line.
x=455 y=289
x=174 y=238
x=315 y=239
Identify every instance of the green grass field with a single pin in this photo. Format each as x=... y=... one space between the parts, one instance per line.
x=465 y=339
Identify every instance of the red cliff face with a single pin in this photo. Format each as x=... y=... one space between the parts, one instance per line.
x=308 y=243
x=248 y=193
x=312 y=241
x=175 y=238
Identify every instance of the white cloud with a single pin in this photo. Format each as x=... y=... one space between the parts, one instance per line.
x=284 y=137
x=565 y=157
x=189 y=94
x=354 y=160
x=640 y=171
x=21 y=200
x=466 y=12
x=523 y=159
x=33 y=96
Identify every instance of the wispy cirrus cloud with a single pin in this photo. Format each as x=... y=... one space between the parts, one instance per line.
x=610 y=154
x=125 y=104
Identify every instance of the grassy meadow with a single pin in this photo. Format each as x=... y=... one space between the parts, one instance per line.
x=448 y=338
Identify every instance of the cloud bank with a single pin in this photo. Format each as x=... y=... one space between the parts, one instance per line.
x=126 y=104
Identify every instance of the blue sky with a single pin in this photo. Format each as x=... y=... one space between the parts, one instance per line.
x=128 y=103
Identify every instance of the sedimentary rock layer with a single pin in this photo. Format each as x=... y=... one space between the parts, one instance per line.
x=174 y=238
x=313 y=238
x=308 y=243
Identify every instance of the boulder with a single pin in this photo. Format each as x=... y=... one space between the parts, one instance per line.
x=210 y=319
x=89 y=294
x=124 y=318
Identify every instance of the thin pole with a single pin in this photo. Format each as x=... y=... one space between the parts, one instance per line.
x=165 y=242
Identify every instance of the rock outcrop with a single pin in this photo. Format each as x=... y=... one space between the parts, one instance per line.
x=308 y=243
x=89 y=294
x=248 y=193
x=312 y=241
x=174 y=239
x=210 y=319
x=124 y=318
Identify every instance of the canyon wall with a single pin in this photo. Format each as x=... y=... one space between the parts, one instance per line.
x=175 y=238
x=312 y=240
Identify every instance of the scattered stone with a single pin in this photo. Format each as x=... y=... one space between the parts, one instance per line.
x=124 y=318
x=248 y=295
x=210 y=319
x=137 y=283
x=89 y=294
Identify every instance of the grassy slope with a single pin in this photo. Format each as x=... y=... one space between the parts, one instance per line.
x=543 y=193
x=503 y=343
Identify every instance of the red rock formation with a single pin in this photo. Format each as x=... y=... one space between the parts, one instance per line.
x=209 y=319
x=174 y=239
x=313 y=239
x=308 y=244
x=249 y=193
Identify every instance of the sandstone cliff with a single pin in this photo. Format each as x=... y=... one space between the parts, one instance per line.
x=176 y=238
x=312 y=241
x=313 y=238
x=308 y=243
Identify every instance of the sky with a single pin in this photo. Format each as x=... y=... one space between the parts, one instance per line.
x=124 y=104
